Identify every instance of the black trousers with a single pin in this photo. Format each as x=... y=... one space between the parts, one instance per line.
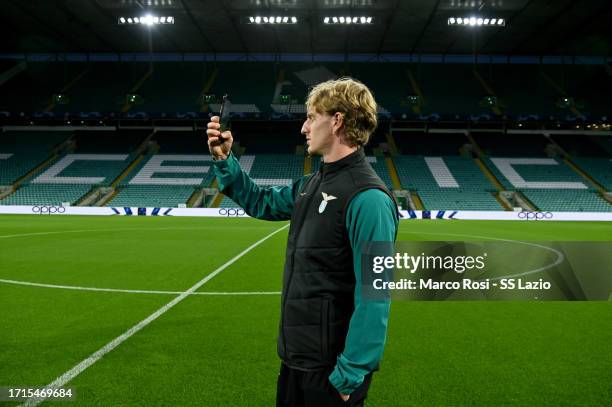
x=297 y=388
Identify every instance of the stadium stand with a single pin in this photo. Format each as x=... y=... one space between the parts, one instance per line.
x=92 y=169
x=447 y=182
x=600 y=169
x=163 y=180
x=548 y=183
x=265 y=137
x=152 y=196
x=567 y=200
x=534 y=173
x=435 y=144
x=581 y=145
x=110 y=142
x=47 y=194
x=511 y=145
x=181 y=142
x=269 y=170
x=22 y=151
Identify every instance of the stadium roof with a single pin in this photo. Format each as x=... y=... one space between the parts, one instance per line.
x=533 y=27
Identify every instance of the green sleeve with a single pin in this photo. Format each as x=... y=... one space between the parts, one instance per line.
x=371 y=216
x=268 y=203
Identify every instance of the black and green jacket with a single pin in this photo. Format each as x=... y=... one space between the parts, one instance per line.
x=324 y=322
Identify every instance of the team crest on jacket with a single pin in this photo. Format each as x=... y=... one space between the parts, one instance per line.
x=326 y=199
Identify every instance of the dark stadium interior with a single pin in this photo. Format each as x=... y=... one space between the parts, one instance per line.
x=128 y=276
x=515 y=115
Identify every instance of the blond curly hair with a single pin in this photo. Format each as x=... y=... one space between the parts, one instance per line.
x=351 y=98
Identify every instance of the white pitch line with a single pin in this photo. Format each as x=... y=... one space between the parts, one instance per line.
x=122 y=290
x=560 y=256
x=94 y=357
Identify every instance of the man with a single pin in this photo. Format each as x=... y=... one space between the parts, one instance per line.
x=330 y=340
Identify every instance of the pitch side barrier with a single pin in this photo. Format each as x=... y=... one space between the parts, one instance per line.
x=525 y=216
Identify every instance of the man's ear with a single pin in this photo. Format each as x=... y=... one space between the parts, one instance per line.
x=338 y=121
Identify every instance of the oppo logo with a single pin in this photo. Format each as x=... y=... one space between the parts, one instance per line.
x=534 y=215
x=47 y=210
x=231 y=212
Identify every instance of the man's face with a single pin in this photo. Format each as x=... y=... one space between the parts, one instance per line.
x=318 y=131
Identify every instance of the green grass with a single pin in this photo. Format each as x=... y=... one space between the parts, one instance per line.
x=221 y=350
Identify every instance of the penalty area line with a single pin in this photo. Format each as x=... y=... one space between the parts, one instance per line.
x=127 y=291
x=94 y=357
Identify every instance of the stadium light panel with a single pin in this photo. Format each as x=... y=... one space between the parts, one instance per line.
x=271 y=20
x=477 y=21
x=146 y=20
x=347 y=20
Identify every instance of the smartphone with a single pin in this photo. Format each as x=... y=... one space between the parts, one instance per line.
x=224 y=113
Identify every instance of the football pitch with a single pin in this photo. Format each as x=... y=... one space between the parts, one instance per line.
x=71 y=286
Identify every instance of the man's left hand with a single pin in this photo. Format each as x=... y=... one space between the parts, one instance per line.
x=345 y=397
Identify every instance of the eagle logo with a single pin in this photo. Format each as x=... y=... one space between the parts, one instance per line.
x=326 y=199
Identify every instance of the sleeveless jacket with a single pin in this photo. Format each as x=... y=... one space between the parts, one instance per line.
x=319 y=278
